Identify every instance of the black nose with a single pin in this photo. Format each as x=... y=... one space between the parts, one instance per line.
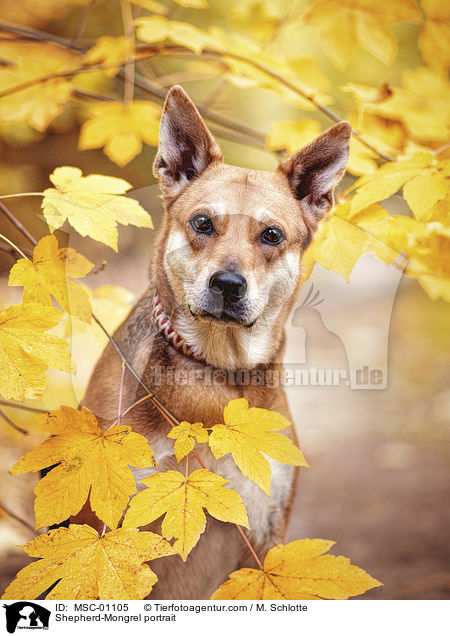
x=230 y=286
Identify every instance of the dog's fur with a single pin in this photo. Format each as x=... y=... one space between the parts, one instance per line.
x=241 y=203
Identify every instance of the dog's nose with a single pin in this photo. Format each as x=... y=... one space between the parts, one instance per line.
x=231 y=286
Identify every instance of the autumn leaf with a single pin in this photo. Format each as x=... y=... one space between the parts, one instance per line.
x=93 y=205
x=420 y=104
x=298 y=571
x=185 y=436
x=45 y=276
x=247 y=434
x=111 y=51
x=157 y=28
x=292 y=135
x=342 y=26
x=423 y=177
x=40 y=100
x=91 y=463
x=89 y=566
x=121 y=129
x=182 y=499
x=435 y=36
x=26 y=351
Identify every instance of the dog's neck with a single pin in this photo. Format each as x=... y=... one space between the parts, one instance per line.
x=221 y=346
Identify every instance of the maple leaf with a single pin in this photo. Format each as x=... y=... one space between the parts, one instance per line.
x=298 y=571
x=26 y=351
x=91 y=463
x=39 y=102
x=157 y=28
x=435 y=36
x=429 y=252
x=185 y=435
x=182 y=499
x=421 y=104
x=111 y=51
x=292 y=135
x=93 y=205
x=337 y=245
x=342 y=26
x=46 y=276
x=247 y=434
x=121 y=129
x=423 y=177
x=90 y=566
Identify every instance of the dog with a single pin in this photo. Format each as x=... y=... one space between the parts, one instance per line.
x=223 y=281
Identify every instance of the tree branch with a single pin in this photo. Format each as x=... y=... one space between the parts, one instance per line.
x=17 y=224
x=11 y=423
x=17 y=518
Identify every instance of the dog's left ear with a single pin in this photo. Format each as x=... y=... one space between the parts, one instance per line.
x=186 y=147
x=315 y=170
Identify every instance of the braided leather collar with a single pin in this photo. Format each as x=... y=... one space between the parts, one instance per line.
x=162 y=321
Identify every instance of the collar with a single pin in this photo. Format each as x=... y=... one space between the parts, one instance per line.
x=162 y=321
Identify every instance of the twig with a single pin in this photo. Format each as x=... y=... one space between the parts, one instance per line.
x=127 y=18
x=11 y=423
x=17 y=518
x=23 y=407
x=17 y=224
x=82 y=21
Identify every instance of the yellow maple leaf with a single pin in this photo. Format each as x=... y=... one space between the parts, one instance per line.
x=93 y=205
x=112 y=51
x=46 y=276
x=298 y=571
x=26 y=351
x=338 y=245
x=292 y=135
x=342 y=26
x=182 y=499
x=39 y=102
x=250 y=432
x=185 y=435
x=91 y=463
x=421 y=104
x=429 y=252
x=121 y=129
x=90 y=566
x=423 y=177
x=157 y=28
x=434 y=39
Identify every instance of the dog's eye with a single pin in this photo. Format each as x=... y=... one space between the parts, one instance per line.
x=202 y=223
x=272 y=235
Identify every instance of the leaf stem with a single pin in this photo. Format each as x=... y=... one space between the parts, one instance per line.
x=249 y=546
x=4 y=238
x=22 y=194
x=120 y=393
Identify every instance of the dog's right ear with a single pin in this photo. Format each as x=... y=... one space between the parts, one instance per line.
x=186 y=147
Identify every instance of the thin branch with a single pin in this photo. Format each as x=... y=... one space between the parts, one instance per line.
x=79 y=30
x=17 y=224
x=127 y=18
x=11 y=423
x=119 y=408
x=13 y=515
x=22 y=407
x=209 y=52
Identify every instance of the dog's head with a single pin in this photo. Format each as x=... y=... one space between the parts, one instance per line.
x=234 y=237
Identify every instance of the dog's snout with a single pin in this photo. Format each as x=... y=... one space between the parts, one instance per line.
x=231 y=286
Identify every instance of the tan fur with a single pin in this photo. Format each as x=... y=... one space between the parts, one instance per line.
x=241 y=203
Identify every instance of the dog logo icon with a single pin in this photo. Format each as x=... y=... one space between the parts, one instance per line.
x=26 y=615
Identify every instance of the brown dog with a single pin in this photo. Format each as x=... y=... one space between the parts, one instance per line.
x=223 y=281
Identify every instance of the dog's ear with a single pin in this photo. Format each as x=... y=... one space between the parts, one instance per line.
x=315 y=170
x=186 y=147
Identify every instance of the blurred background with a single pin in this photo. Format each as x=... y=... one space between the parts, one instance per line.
x=379 y=482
